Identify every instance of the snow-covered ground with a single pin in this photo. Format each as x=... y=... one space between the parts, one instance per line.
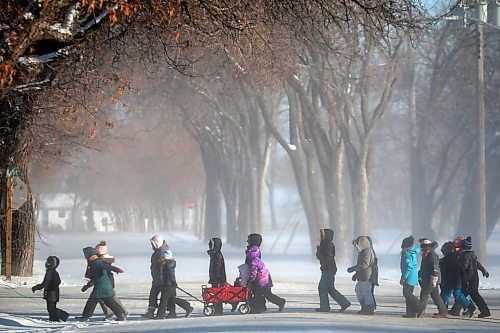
x=295 y=275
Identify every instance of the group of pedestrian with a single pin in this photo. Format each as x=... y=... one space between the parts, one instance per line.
x=456 y=273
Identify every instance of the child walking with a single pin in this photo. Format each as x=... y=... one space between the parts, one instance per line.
x=325 y=253
x=364 y=272
x=217 y=269
x=450 y=281
x=430 y=276
x=409 y=276
x=102 y=288
x=256 y=240
x=50 y=286
x=469 y=265
x=169 y=285
x=102 y=252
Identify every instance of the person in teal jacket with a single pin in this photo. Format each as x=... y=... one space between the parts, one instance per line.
x=409 y=276
x=102 y=287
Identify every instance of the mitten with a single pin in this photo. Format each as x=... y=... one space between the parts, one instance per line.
x=486 y=274
x=33 y=289
x=119 y=270
x=85 y=287
x=355 y=277
x=351 y=269
x=402 y=281
x=434 y=281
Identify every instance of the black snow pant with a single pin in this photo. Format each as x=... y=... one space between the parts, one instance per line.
x=273 y=298
x=412 y=303
x=56 y=314
x=478 y=299
x=167 y=297
x=257 y=300
x=217 y=306
x=436 y=298
x=182 y=303
x=89 y=308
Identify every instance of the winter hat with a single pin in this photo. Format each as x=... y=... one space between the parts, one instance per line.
x=254 y=240
x=52 y=262
x=467 y=243
x=407 y=242
x=101 y=248
x=167 y=254
x=447 y=248
x=157 y=241
x=425 y=242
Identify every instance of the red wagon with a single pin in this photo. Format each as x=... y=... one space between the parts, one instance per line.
x=225 y=294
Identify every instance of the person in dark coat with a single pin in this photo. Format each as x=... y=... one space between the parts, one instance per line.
x=217 y=269
x=469 y=278
x=159 y=246
x=102 y=288
x=169 y=285
x=429 y=278
x=325 y=253
x=50 y=286
x=450 y=281
x=409 y=276
x=364 y=274
x=256 y=240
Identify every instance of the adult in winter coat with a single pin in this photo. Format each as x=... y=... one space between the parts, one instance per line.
x=169 y=285
x=159 y=246
x=256 y=240
x=102 y=288
x=450 y=282
x=364 y=269
x=217 y=268
x=429 y=277
x=325 y=253
x=50 y=286
x=409 y=276
x=469 y=278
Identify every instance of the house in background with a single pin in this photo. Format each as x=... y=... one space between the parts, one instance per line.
x=61 y=212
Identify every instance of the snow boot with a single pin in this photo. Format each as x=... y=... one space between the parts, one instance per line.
x=281 y=305
x=82 y=319
x=470 y=310
x=171 y=315
x=189 y=311
x=150 y=313
x=455 y=309
x=322 y=309
x=484 y=314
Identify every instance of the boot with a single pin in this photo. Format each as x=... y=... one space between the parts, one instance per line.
x=150 y=313
x=82 y=319
x=188 y=311
x=440 y=315
x=455 y=309
x=281 y=306
x=470 y=311
x=171 y=315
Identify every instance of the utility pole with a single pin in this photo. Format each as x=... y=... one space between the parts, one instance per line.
x=480 y=243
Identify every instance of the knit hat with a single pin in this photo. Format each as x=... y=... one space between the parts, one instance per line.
x=447 y=248
x=157 y=241
x=467 y=243
x=167 y=254
x=407 y=242
x=101 y=248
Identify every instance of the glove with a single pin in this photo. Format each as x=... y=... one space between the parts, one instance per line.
x=33 y=289
x=434 y=281
x=85 y=287
x=402 y=281
x=350 y=269
x=486 y=274
x=355 y=276
x=119 y=270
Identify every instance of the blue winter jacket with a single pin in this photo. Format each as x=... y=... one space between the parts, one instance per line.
x=409 y=270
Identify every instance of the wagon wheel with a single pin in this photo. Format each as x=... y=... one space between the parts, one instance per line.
x=209 y=310
x=244 y=308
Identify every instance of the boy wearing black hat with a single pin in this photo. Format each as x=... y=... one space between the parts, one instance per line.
x=50 y=286
x=429 y=277
x=469 y=279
